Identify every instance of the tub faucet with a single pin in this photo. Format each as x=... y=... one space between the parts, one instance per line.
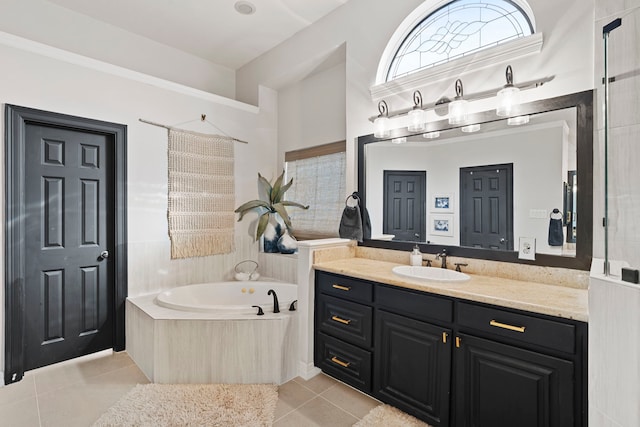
x=276 y=306
x=443 y=257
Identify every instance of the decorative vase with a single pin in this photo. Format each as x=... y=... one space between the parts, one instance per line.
x=272 y=233
x=287 y=244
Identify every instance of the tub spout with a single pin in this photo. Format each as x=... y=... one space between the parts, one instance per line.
x=276 y=307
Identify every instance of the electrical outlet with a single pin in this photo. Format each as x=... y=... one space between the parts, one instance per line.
x=527 y=248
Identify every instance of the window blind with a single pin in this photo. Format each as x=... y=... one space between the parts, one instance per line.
x=318 y=181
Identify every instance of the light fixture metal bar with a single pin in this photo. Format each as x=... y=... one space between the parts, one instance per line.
x=532 y=84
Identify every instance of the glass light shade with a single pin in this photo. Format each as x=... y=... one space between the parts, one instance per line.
x=518 y=120
x=417 y=120
x=470 y=128
x=458 y=111
x=508 y=99
x=381 y=127
x=400 y=140
x=431 y=135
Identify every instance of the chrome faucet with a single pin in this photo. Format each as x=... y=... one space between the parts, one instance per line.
x=443 y=257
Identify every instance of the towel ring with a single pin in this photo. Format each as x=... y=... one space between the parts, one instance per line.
x=353 y=196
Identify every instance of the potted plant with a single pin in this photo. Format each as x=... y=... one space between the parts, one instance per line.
x=270 y=210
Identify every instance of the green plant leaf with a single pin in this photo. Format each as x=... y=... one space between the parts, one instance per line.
x=277 y=192
x=283 y=189
x=251 y=205
x=266 y=185
x=295 y=204
x=282 y=211
x=262 y=224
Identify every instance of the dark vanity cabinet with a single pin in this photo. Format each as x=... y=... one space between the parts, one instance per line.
x=449 y=361
x=516 y=369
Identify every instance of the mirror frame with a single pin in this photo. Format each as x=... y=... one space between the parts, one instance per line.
x=583 y=102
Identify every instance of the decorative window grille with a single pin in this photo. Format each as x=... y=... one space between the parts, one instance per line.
x=459 y=28
x=318 y=181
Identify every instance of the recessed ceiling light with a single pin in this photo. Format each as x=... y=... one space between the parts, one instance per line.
x=244 y=7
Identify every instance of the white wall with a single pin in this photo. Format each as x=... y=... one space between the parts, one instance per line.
x=536 y=154
x=54 y=25
x=312 y=111
x=33 y=80
x=365 y=26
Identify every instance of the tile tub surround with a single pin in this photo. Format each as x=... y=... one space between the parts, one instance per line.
x=172 y=346
x=560 y=301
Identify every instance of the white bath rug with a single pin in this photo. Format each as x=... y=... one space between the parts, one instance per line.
x=173 y=405
x=388 y=416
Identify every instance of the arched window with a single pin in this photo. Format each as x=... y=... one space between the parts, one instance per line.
x=458 y=28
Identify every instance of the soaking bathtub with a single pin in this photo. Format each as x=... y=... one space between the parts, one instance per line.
x=210 y=333
x=229 y=297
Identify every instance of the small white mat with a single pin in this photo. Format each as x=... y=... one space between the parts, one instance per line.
x=388 y=416
x=211 y=405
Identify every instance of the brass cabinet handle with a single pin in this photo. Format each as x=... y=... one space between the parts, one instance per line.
x=505 y=326
x=340 y=320
x=340 y=362
x=342 y=288
x=444 y=337
x=458 y=342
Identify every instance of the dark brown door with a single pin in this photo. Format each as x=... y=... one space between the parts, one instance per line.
x=68 y=227
x=404 y=205
x=486 y=207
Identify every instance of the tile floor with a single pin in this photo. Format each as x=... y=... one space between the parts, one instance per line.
x=76 y=393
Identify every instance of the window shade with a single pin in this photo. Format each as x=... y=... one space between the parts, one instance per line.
x=318 y=181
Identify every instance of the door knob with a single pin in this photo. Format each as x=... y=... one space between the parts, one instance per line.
x=503 y=240
x=103 y=255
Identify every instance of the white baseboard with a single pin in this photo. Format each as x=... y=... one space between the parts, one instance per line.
x=307 y=371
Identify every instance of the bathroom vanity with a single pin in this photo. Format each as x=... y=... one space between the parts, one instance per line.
x=487 y=352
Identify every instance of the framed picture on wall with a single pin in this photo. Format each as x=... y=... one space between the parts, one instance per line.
x=442 y=202
x=441 y=225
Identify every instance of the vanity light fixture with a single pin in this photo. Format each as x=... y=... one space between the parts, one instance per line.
x=400 y=140
x=417 y=116
x=518 y=120
x=459 y=106
x=470 y=128
x=381 y=123
x=508 y=96
x=431 y=135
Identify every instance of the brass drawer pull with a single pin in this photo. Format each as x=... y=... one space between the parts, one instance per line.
x=505 y=326
x=342 y=288
x=340 y=362
x=340 y=320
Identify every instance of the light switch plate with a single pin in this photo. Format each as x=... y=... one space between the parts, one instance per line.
x=527 y=248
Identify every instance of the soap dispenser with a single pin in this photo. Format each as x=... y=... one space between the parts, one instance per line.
x=416 y=256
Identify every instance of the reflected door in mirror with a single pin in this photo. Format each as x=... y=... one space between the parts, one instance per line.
x=486 y=207
x=404 y=205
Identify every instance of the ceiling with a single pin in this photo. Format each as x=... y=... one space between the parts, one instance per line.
x=210 y=29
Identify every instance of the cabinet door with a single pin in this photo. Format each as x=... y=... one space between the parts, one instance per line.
x=412 y=366
x=499 y=385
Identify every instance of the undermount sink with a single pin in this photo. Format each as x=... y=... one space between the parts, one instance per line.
x=430 y=274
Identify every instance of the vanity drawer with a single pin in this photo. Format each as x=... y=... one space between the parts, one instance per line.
x=344 y=287
x=521 y=327
x=344 y=361
x=346 y=320
x=418 y=305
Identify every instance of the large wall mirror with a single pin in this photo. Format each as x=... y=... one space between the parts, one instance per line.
x=486 y=193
